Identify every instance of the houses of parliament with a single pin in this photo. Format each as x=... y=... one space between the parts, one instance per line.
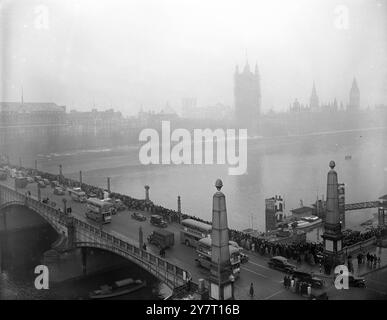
x=299 y=119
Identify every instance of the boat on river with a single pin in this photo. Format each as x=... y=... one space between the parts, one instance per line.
x=119 y=288
x=308 y=222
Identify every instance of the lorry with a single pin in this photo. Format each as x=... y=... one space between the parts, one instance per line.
x=20 y=182
x=162 y=238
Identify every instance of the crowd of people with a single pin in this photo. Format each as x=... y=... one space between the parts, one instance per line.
x=303 y=251
x=353 y=237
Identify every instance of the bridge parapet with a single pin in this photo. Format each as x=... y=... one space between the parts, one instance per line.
x=88 y=235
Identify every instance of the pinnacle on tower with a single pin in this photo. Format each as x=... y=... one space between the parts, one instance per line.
x=314 y=101
x=354 y=85
x=247 y=67
x=256 y=69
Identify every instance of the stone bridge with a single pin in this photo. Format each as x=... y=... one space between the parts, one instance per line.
x=78 y=234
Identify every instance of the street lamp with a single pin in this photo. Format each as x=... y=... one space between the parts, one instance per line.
x=64 y=206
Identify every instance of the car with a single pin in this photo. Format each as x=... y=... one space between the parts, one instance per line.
x=46 y=181
x=158 y=221
x=119 y=205
x=91 y=195
x=315 y=282
x=30 y=180
x=55 y=184
x=138 y=216
x=354 y=281
x=59 y=191
x=282 y=264
x=41 y=184
x=244 y=257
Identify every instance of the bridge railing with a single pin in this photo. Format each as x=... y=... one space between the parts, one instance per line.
x=172 y=274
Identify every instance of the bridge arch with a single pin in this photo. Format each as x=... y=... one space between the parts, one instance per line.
x=158 y=267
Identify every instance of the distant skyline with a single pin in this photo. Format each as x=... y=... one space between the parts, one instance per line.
x=128 y=54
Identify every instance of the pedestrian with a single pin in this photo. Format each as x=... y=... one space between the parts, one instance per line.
x=144 y=246
x=251 y=290
x=379 y=261
x=189 y=284
x=285 y=281
x=375 y=260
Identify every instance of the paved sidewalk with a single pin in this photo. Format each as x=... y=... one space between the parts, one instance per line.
x=364 y=268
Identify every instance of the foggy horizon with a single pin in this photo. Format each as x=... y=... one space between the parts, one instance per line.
x=128 y=55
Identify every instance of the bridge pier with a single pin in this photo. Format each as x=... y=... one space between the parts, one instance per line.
x=3 y=246
x=4 y=222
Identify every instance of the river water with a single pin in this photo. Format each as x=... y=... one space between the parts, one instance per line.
x=22 y=251
x=294 y=167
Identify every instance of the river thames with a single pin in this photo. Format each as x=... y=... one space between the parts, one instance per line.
x=294 y=167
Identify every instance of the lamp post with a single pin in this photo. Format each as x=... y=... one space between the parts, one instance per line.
x=64 y=206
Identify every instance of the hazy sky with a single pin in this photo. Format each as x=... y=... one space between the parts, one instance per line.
x=130 y=53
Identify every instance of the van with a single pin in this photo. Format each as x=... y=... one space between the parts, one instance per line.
x=158 y=221
x=315 y=282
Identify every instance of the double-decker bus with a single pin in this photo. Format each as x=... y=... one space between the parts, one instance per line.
x=77 y=194
x=99 y=210
x=192 y=231
x=203 y=251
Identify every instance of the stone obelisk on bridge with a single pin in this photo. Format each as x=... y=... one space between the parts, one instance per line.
x=333 y=251
x=221 y=284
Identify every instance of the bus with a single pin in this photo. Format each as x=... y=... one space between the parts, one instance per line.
x=204 y=256
x=192 y=231
x=77 y=195
x=99 y=210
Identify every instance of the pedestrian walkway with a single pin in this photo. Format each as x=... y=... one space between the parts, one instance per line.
x=366 y=268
